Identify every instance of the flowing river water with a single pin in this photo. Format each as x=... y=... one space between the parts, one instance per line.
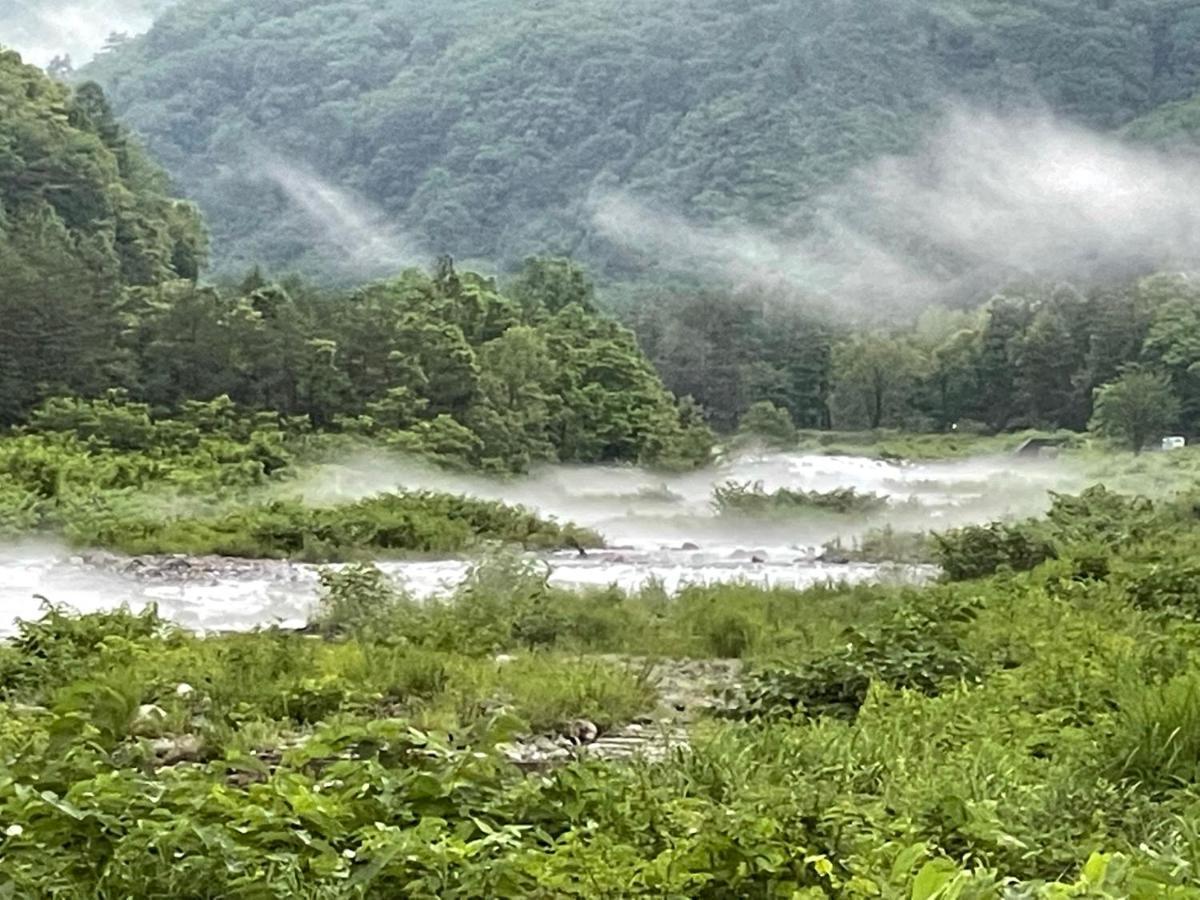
x=660 y=529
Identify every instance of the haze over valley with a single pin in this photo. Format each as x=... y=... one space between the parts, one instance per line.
x=599 y=449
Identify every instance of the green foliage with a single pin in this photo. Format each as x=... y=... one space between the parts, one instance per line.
x=875 y=376
x=394 y=524
x=767 y=422
x=1156 y=736
x=99 y=293
x=885 y=545
x=1034 y=357
x=745 y=113
x=751 y=499
x=919 y=649
x=83 y=216
x=1023 y=734
x=1136 y=408
x=980 y=550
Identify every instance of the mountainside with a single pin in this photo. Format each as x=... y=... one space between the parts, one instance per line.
x=83 y=217
x=383 y=131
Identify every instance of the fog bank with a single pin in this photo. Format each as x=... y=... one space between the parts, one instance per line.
x=43 y=29
x=350 y=235
x=986 y=198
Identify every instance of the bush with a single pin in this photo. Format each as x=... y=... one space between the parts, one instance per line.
x=1171 y=584
x=751 y=499
x=770 y=423
x=359 y=599
x=981 y=550
x=918 y=649
x=406 y=523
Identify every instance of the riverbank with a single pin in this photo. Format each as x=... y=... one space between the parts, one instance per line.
x=1025 y=730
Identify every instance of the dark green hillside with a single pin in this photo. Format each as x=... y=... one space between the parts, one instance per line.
x=83 y=216
x=479 y=127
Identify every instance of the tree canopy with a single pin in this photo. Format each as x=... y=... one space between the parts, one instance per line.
x=481 y=127
x=83 y=215
x=99 y=291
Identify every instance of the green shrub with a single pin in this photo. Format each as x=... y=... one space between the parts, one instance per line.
x=770 y=423
x=1171 y=584
x=359 y=599
x=919 y=649
x=977 y=551
x=751 y=499
x=389 y=524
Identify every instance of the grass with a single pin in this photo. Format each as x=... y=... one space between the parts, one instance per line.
x=1028 y=729
x=1003 y=730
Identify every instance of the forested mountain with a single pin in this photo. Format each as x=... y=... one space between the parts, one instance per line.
x=83 y=217
x=480 y=127
x=99 y=291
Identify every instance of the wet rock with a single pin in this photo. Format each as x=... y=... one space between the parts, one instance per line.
x=688 y=545
x=149 y=719
x=171 y=751
x=583 y=731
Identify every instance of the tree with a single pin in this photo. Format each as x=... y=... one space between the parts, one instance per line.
x=1137 y=406
x=1172 y=342
x=550 y=284
x=83 y=218
x=874 y=377
x=996 y=361
x=769 y=422
x=950 y=393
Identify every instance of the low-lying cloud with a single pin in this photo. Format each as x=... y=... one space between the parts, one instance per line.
x=986 y=199
x=345 y=229
x=43 y=29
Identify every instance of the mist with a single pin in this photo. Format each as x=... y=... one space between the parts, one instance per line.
x=647 y=511
x=43 y=29
x=660 y=529
x=985 y=200
x=347 y=232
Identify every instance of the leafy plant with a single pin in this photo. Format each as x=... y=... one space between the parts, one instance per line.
x=980 y=550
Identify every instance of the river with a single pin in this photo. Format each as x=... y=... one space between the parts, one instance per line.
x=658 y=528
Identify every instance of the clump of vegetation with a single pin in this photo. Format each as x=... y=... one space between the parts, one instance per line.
x=884 y=545
x=976 y=551
x=1136 y=408
x=918 y=649
x=883 y=741
x=752 y=499
x=390 y=524
x=768 y=423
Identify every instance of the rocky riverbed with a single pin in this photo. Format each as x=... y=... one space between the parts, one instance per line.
x=220 y=594
x=661 y=530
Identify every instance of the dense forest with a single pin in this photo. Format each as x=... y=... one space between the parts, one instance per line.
x=1032 y=357
x=938 y=672
x=483 y=133
x=99 y=291
x=101 y=287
